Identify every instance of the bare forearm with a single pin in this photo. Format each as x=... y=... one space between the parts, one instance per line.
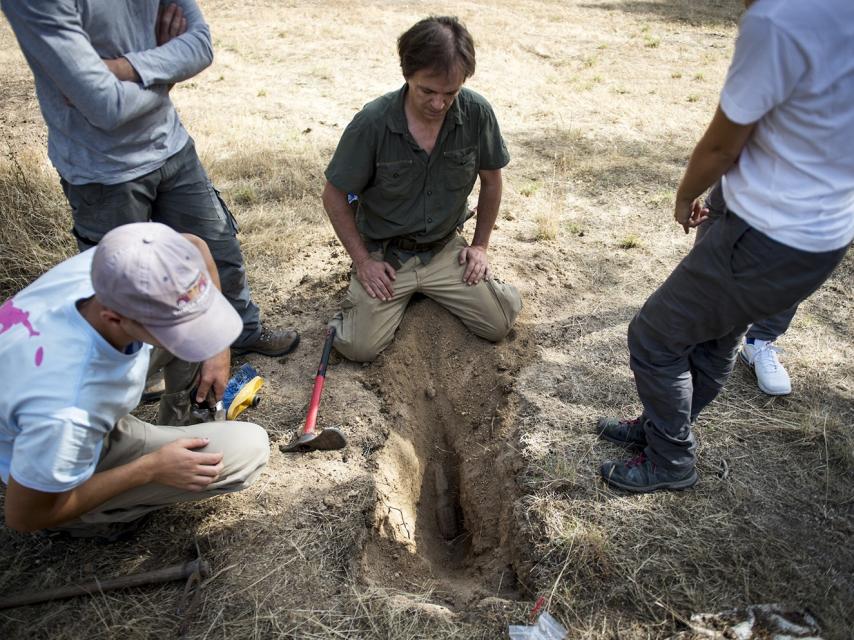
x=705 y=167
x=344 y=223
x=179 y=57
x=122 y=69
x=29 y=510
x=215 y=371
x=488 y=203
x=714 y=154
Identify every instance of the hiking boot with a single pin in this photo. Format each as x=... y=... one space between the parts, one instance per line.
x=641 y=475
x=761 y=357
x=270 y=342
x=626 y=433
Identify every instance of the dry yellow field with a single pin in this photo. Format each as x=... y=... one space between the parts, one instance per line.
x=600 y=102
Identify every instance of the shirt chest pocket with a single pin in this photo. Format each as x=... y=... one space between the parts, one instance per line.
x=460 y=168
x=394 y=179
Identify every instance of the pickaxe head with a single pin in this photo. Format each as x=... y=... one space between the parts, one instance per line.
x=326 y=439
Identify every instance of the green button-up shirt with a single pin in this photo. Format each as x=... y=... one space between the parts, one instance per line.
x=403 y=192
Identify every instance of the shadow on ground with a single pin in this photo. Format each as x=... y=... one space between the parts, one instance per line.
x=713 y=12
x=613 y=163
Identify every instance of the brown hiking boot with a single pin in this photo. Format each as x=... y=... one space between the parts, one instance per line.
x=270 y=342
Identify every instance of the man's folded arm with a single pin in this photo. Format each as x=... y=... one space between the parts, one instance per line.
x=51 y=36
x=182 y=57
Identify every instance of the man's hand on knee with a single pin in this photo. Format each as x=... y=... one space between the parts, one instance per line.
x=477 y=264
x=376 y=277
x=177 y=465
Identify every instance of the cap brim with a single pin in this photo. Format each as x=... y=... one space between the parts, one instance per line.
x=203 y=337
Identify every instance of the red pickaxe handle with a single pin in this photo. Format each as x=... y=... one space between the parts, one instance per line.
x=319 y=380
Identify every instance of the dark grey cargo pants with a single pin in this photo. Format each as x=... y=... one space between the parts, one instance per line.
x=683 y=342
x=767 y=329
x=180 y=195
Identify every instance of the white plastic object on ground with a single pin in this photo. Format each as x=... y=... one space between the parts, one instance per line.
x=547 y=628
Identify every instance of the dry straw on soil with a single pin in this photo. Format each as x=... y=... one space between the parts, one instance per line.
x=34 y=220
x=469 y=487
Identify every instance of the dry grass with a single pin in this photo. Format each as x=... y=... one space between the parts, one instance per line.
x=600 y=102
x=34 y=234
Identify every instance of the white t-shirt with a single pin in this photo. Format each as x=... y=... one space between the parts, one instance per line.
x=63 y=385
x=793 y=72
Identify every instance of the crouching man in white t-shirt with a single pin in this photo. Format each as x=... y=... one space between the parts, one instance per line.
x=781 y=139
x=75 y=348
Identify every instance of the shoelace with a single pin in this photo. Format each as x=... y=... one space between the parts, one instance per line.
x=765 y=357
x=637 y=461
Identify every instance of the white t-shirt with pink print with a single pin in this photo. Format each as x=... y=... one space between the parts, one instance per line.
x=63 y=385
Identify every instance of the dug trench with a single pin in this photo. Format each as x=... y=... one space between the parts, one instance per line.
x=444 y=482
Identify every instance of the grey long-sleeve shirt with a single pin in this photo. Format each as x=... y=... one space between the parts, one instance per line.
x=101 y=129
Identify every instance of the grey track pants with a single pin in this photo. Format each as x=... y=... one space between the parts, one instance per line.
x=180 y=195
x=767 y=329
x=683 y=342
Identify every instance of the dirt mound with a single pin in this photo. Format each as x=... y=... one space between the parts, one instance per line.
x=444 y=479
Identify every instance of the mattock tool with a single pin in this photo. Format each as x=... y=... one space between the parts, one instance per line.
x=310 y=438
x=194 y=572
x=197 y=568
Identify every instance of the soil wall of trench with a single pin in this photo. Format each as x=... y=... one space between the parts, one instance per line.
x=444 y=479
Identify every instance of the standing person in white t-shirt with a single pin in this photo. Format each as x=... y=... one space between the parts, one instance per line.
x=758 y=349
x=781 y=139
x=76 y=345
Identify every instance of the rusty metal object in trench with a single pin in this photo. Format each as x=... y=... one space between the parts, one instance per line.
x=310 y=438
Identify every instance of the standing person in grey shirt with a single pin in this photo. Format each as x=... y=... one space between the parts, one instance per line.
x=103 y=71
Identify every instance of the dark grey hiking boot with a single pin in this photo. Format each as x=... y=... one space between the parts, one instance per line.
x=641 y=475
x=270 y=342
x=626 y=433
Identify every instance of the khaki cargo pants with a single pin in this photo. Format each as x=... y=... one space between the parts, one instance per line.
x=244 y=445
x=365 y=326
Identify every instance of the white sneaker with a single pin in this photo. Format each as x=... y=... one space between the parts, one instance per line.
x=761 y=357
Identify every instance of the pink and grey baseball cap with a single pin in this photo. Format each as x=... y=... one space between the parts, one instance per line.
x=152 y=274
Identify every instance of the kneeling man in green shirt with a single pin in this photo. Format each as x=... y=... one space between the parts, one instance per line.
x=409 y=161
